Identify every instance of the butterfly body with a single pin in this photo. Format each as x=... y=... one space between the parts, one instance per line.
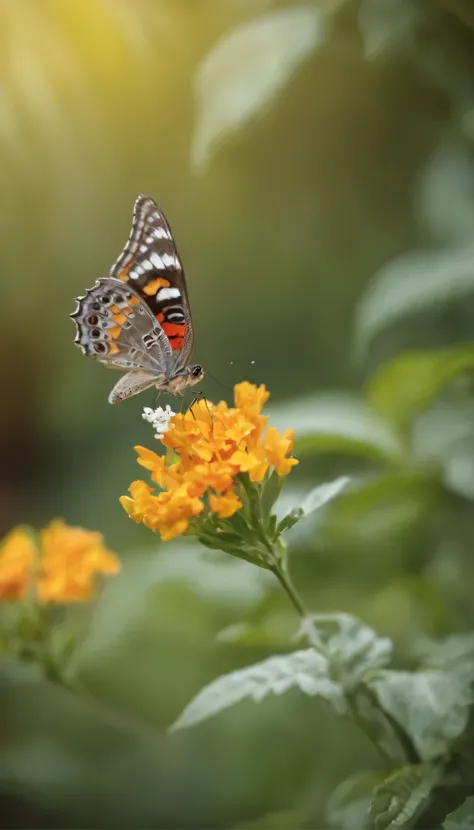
x=138 y=318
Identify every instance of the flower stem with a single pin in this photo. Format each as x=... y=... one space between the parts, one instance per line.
x=283 y=575
x=281 y=571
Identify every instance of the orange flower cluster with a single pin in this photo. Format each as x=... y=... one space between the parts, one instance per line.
x=214 y=444
x=59 y=570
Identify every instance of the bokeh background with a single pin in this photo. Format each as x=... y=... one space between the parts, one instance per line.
x=315 y=161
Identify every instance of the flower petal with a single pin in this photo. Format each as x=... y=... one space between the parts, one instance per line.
x=226 y=505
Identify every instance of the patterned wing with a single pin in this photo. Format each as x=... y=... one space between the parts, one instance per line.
x=131 y=384
x=151 y=264
x=115 y=326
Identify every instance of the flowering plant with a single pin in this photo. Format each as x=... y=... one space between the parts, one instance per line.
x=218 y=482
x=219 y=479
x=39 y=573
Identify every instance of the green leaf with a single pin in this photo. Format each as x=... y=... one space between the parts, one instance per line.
x=247 y=68
x=323 y=493
x=250 y=494
x=237 y=525
x=462 y=818
x=338 y=422
x=229 y=543
x=271 y=491
x=431 y=706
x=306 y=670
x=316 y=498
x=411 y=284
x=454 y=655
x=348 y=805
x=404 y=387
x=353 y=648
x=272 y=527
x=290 y=520
x=403 y=795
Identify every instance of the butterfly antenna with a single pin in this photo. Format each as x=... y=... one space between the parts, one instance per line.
x=224 y=385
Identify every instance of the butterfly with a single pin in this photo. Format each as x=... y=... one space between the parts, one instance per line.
x=138 y=318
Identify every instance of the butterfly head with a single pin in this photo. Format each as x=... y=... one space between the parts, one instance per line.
x=195 y=374
x=186 y=377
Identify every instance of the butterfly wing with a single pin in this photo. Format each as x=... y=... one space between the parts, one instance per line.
x=150 y=263
x=115 y=326
x=131 y=384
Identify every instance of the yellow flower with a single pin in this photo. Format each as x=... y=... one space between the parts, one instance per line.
x=214 y=445
x=60 y=570
x=71 y=557
x=216 y=475
x=169 y=512
x=277 y=448
x=17 y=561
x=226 y=505
x=250 y=398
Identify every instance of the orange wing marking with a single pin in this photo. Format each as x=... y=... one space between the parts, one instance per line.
x=154 y=285
x=175 y=334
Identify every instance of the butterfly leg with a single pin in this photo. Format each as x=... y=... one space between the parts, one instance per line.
x=198 y=396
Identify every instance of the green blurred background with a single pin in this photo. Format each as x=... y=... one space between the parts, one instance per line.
x=324 y=142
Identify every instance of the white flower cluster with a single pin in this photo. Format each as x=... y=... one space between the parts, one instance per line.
x=159 y=419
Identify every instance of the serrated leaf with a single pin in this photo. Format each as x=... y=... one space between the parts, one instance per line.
x=353 y=648
x=403 y=795
x=431 y=706
x=405 y=386
x=462 y=818
x=337 y=422
x=411 y=284
x=246 y=69
x=305 y=670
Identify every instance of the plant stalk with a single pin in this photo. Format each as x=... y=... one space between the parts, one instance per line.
x=282 y=574
x=280 y=569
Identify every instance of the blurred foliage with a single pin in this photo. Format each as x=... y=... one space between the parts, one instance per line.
x=316 y=162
